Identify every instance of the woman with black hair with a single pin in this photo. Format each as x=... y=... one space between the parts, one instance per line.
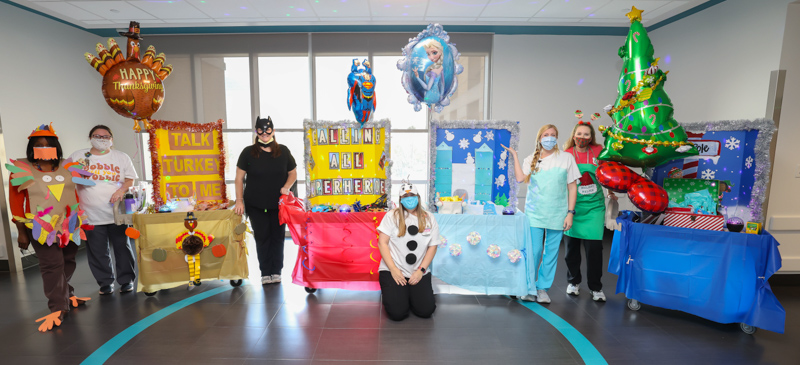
x=43 y=182
x=265 y=171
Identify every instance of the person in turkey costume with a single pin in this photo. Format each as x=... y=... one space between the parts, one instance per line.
x=588 y=223
x=407 y=245
x=46 y=212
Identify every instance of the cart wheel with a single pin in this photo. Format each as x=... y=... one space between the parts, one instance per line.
x=150 y=294
x=634 y=305
x=236 y=282
x=310 y=290
x=748 y=329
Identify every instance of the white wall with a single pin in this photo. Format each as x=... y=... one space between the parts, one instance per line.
x=46 y=79
x=783 y=215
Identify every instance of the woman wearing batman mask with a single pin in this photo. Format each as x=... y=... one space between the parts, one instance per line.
x=265 y=171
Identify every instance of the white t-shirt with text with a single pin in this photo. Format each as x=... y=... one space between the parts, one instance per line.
x=110 y=172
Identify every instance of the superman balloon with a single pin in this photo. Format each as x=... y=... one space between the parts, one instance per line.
x=361 y=91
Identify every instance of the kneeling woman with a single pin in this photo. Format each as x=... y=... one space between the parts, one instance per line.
x=407 y=248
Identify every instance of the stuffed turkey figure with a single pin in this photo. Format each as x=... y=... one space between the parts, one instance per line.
x=192 y=242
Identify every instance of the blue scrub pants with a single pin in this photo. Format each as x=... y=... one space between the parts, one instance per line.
x=545 y=256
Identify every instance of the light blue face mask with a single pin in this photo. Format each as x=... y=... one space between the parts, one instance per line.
x=549 y=142
x=410 y=202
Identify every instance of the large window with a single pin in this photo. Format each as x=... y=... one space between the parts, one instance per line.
x=237 y=87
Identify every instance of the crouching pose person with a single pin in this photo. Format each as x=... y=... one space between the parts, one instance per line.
x=407 y=248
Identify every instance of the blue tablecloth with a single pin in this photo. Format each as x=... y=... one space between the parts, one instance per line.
x=720 y=276
x=474 y=269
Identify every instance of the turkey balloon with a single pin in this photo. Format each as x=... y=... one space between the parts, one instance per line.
x=132 y=87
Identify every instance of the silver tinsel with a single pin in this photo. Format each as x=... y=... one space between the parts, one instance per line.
x=310 y=125
x=508 y=125
x=766 y=129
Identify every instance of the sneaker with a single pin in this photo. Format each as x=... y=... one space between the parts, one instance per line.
x=126 y=288
x=266 y=279
x=276 y=279
x=573 y=289
x=598 y=296
x=542 y=297
x=107 y=289
x=528 y=298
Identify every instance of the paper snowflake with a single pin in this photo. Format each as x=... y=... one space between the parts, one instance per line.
x=463 y=143
x=748 y=162
x=501 y=164
x=732 y=143
x=489 y=136
x=500 y=180
x=708 y=174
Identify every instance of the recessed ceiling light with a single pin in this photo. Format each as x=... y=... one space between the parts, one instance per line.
x=114 y=10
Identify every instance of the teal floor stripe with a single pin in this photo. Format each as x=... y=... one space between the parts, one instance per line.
x=588 y=352
x=102 y=354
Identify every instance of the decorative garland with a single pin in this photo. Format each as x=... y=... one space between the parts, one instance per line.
x=766 y=128
x=309 y=125
x=508 y=125
x=185 y=126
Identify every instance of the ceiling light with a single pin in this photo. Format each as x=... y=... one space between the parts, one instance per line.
x=114 y=10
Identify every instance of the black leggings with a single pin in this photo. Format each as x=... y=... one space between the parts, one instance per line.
x=269 y=237
x=594 y=261
x=398 y=300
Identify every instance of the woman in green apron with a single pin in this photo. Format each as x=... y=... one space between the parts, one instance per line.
x=588 y=223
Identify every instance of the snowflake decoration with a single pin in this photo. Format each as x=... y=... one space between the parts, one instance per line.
x=489 y=136
x=732 y=143
x=500 y=180
x=501 y=164
x=463 y=143
x=419 y=63
x=680 y=190
x=708 y=174
x=748 y=162
x=691 y=183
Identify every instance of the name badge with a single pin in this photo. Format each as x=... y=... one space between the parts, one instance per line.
x=587 y=189
x=427 y=231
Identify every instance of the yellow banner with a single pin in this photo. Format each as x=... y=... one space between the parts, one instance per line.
x=346 y=163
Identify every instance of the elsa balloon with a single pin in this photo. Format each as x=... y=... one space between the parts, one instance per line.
x=429 y=67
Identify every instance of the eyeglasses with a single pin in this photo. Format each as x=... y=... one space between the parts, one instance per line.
x=98 y=136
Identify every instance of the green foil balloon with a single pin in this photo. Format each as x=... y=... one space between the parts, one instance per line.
x=644 y=133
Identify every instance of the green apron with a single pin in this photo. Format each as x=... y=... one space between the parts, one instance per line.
x=590 y=208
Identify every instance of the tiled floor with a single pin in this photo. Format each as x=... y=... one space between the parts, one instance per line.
x=282 y=324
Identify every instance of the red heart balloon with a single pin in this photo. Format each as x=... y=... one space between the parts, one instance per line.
x=616 y=176
x=648 y=196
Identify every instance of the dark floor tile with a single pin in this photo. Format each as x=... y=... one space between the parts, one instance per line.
x=248 y=315
x=354 y=316
x=460 y=316
x=276 y=362
x=287 y=343
x=348 y=344
x=357 y=297
x=226 y=342
x=456 y=299
x=301 y=315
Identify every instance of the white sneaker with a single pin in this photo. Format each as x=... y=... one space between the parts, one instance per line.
x=528 y=298
x=598 y=296
x=573 y=289
x=276 y=278
x=266 y=280
x=542 y=297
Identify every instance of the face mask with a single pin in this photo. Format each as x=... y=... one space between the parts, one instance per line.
x=45 y=153
x=267 y=142
x=101 y=144
x=410 y=202
x=548 y=142
x=582 y=142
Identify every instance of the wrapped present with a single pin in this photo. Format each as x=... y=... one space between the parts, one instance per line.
x=683 y=217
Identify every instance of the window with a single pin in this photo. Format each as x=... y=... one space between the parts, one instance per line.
x=284 y=88
x=331 y=86
x=393 y=98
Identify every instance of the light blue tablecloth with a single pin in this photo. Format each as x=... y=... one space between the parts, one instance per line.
x=474 y=269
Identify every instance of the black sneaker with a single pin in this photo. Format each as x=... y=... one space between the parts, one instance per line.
x=105 y=290
x=126 y=288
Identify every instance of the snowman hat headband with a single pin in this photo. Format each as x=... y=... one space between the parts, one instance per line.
x=407 y=187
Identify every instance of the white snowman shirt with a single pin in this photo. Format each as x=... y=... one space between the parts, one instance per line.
x=408 y=251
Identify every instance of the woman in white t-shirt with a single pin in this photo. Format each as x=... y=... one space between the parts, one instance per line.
x=113 y=174
x=549 y=205
x=407 y=249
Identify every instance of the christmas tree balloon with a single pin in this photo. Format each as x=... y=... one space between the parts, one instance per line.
x=644 y=133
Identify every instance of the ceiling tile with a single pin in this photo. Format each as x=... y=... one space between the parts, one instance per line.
x=295 y=20
x=570 y=8
x=279 y=8
x=335 y=8
x=398 y=19
x=401 y=8
x=668 y=10
x=456 y=8
x=513 y=8
x=188 y=21
x=169 y=9
x=226 y=8
x=553 y=20
x=616 y=9
x=501 y=19
x=69 y=10
x=117 y=10
x=359 y=20
x=99 y=22
x=449 y=20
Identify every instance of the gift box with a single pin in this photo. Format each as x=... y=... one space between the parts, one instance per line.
x=702 y=195
x=682 y=217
